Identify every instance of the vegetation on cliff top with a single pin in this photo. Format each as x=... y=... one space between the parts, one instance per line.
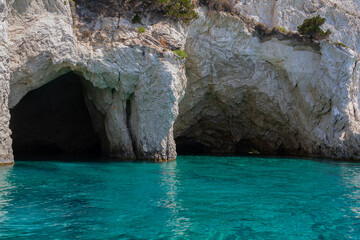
x=181 y=54
x=281 y=29
x=217 y=5
x=178 y=9
x=141 y=29
x=181 y=10
x=340 y=44
x=311 y=27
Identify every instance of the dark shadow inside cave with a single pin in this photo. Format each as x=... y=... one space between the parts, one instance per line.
x=214 y=136
x=54 y=119
x=189 y=146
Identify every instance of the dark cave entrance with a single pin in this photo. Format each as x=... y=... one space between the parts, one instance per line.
x=54 y=119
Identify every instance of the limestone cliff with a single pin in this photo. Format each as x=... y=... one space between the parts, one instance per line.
x=271 y=93
x=119 y=66
x=242 y=89
x=5 y=140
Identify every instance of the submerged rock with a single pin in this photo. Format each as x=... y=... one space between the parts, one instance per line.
x=244 y=88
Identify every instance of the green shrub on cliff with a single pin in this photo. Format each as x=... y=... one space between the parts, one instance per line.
x=141 y=30
x=217 y=5
x=281 y=29
x=181 y=53
x=178 y=9
x=311 y=27
x=340 y=44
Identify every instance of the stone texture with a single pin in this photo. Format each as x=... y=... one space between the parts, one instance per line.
x=5 y=140
x=246 y=90
x=119 y=66
x=273 y=95
x=342 y=16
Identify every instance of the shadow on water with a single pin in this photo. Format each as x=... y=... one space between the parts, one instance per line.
x=5 y=189
x=282 y=157
x=63 y=157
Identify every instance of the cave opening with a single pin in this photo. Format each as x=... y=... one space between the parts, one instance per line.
x=54 y=120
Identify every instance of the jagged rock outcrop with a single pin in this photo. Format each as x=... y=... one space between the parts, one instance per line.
x=247 y=89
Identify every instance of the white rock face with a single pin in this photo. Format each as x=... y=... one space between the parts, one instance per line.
x=342 y=16
x=270 y=95
x=245 y=92
x=5 y=140
x=119 y=67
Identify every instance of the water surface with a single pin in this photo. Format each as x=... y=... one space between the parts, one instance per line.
x=192 y=198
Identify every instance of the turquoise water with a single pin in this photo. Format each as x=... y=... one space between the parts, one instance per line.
x=192 y=198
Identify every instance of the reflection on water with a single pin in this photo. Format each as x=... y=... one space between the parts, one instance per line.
x=169 y=183
x=351 y=179
x=5 y=188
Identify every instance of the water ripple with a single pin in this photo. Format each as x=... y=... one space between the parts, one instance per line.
x=192 y=198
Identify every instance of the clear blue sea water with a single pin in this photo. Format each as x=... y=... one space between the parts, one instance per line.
x=192 y=198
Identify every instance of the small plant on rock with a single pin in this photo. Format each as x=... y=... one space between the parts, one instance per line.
x=311 y=27
x=181 y=53
x=340 y=44
x=281 y=29
x=72 y=3
x=141 y=30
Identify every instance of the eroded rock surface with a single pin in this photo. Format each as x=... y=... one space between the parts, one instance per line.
x=273 y=95
x=120 y=67
x=247 y=90
x=342 y=16
x=5 y=140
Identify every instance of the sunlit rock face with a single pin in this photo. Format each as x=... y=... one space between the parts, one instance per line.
x=132 y=83
x=5 y=140
x=241 y=90
x=342 y=16
x=272 y=94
